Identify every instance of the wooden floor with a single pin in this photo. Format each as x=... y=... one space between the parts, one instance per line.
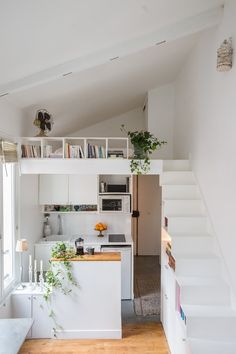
x=144 y=338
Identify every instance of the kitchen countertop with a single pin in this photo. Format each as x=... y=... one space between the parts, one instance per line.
x=98 y=256
x=88 y=240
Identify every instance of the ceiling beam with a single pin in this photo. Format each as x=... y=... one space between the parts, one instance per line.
x=175 y=31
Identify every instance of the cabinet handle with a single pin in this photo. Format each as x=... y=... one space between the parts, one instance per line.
x=184 y=339
x=166 y=266
x=166 y=297
x=34 y=297
x=29 y=298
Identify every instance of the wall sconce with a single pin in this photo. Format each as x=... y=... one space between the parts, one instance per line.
x=225 y=56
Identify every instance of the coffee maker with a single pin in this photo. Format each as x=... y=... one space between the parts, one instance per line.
x=79 y=246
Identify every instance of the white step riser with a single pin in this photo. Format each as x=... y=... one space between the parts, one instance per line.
x=180 y=192
x=221 y=329
x=192 y=245
x=188 y=224
x=208 y=347
x=205 y=295
x=177 y=177
x=183 y=207
x=176 y=165
x=197 y=268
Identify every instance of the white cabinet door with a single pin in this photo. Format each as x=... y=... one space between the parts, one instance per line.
x=21 y=307
x=42 y=326
x=83 y=189
x=53 y=189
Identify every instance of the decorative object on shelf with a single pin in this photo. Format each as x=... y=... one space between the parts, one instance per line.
x=30 y=271
x=100 y=227
x=35 y=274
x=144 y=144
x=225 y=56
x=43 y=121
x=56 y=275
x=21 y=246
x=41 y=280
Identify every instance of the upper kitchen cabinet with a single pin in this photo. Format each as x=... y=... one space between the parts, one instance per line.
x=53 y=189
x=83 y=189
x=68 y=189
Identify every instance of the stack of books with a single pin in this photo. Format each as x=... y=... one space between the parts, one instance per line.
x=115 y=154
x=73 y=151
x=96 y=152
x=48 y=153
x=31 y=151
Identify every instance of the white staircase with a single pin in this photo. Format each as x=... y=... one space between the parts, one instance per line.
x=205 y=297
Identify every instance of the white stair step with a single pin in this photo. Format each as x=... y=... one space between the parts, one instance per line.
x=184 y=224
x=180 y=192
x=199 y=346
x=183 y=207
x=192 y=244
x=176 y=165
x=207 y=294
x=208 y=311
x=177 y=177
x=212 y=327
x=197 y=266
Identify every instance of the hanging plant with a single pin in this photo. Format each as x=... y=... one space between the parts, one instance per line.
x=59 y=276
x=144 y=144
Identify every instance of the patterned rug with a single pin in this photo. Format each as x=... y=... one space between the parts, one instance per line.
x=147 y=294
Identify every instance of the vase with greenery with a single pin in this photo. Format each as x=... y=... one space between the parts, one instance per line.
x=144 y=144
x=59 y=276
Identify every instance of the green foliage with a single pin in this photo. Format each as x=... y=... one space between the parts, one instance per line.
x=144 y=144
x=59 y=276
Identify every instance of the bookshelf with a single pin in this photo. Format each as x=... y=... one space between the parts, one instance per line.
x=74 y=148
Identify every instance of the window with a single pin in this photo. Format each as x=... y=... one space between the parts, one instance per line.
x=8 y=223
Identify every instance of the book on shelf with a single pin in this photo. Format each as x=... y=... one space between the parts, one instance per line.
x=73 y=151
x=96 y=151
x=30 y=151
x=115 y=154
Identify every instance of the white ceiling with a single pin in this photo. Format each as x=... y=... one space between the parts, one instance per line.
x=39 y=35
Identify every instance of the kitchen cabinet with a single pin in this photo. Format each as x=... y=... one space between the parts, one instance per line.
x=53 y=189
x=68 y=189
x=34 y=306
x=83 y=189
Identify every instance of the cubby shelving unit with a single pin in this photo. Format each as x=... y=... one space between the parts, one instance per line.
x=74 y=147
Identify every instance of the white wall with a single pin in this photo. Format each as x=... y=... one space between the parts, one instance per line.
x=133 y=120
x=11 y=119
x=161 y=118
x=205 y=127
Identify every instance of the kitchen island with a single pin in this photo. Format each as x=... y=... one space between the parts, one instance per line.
x=93 y=309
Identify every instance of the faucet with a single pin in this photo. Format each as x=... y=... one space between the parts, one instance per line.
x=60 y=231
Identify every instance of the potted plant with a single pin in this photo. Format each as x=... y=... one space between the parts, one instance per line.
x=144 y=144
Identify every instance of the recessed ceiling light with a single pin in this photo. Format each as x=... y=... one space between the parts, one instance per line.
x=161 y=42
x=114 y=58
x=4 y=94
x=66 y=74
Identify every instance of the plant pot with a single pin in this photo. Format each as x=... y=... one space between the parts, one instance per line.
x=139 y=153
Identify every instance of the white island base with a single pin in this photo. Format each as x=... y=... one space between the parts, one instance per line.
x=93 y=309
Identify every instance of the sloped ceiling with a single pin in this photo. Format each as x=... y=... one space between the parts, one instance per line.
x=36 y=36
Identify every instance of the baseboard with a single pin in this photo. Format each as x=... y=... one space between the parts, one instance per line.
x=89 y=334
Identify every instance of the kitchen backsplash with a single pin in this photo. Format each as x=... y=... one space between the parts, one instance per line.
x=83 y=224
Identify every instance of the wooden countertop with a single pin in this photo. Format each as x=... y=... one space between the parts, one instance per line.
x=98 y=256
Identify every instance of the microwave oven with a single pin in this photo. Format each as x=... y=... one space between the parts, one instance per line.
x=114 y=203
